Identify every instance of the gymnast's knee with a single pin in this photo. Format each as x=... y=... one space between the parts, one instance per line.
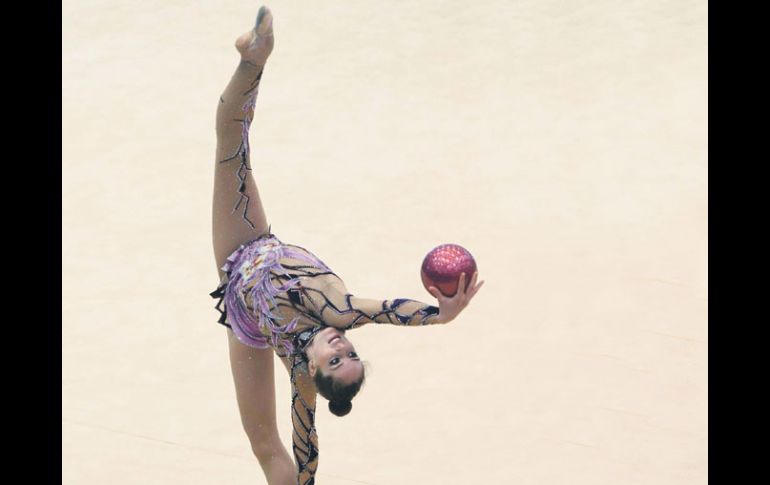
x=266 y=447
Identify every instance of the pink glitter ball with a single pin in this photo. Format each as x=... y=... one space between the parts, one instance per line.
x=443 y=265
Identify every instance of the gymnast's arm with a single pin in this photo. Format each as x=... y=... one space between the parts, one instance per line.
x=304 y=437
x=340 y=309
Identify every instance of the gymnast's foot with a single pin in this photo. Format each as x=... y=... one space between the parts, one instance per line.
x=256 y=45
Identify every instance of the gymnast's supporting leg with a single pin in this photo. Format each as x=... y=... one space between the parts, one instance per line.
x=238 y=214
x=238 y=218
x=253 y=374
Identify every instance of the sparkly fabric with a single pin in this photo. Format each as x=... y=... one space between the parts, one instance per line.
x=267 y=302
x=250 y=296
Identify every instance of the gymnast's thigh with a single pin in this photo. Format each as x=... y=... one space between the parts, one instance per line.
x=253 y=374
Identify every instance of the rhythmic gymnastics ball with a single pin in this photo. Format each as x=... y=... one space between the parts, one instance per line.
x=443 y=265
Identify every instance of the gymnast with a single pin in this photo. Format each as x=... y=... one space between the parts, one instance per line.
x=278 y=297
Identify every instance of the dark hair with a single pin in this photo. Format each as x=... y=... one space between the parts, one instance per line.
x=338 y=393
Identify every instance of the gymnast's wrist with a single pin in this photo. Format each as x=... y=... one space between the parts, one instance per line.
x=440 y=319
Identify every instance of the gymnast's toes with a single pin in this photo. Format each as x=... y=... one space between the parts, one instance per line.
x=256 y=45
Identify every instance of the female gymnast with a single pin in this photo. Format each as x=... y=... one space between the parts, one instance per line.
x=278 y=297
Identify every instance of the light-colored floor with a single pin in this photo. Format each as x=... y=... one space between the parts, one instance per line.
x=563 y=143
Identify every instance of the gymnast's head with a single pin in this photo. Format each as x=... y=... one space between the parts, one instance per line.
x=336 y=369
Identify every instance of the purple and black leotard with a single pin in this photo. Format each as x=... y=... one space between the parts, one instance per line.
x=280 y=295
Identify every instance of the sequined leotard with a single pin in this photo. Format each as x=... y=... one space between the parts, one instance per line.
x=280 y=295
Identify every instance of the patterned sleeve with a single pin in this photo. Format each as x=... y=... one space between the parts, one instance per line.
x=303 y=404
x=340 y=309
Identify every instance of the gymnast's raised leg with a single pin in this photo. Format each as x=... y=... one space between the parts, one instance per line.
x=238 y=217
x=238 y=214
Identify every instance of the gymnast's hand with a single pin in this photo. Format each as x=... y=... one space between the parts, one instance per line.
x=450 y=307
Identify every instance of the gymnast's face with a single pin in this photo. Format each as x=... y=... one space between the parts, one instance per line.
x=332 y=353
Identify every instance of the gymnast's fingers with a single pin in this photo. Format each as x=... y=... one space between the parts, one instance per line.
x=474 y=279
x=468 y=294
x=475 y=290
x=476 y=287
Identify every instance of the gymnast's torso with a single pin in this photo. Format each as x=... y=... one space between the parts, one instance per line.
x=279 y=295
x=274 y=293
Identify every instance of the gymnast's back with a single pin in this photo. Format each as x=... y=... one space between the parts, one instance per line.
x=272 y=290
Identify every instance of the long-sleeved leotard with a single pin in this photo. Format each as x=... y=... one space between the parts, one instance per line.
x=312 y=298
x=272 y=290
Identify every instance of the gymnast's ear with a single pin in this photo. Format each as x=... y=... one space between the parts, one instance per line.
x=311 y=367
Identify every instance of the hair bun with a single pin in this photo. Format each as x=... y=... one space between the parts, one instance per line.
x=340 y=408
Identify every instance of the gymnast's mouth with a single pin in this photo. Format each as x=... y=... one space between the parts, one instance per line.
x=334 y=338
